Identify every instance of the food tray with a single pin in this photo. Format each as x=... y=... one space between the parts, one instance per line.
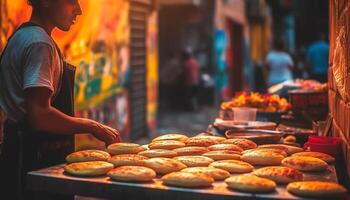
x=54 y=180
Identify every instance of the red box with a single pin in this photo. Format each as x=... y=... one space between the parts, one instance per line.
x=324 y=144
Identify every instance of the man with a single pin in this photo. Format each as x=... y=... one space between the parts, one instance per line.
x=279 y=64
x=192 y=78
x=36 y=93
x=317 y=59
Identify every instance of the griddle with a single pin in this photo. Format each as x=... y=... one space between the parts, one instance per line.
x=55 y=180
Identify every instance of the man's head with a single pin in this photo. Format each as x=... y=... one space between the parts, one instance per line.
x=279 y=44
x=59 y=13
x=321 y=36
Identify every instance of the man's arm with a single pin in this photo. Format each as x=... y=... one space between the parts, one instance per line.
x=41 y=116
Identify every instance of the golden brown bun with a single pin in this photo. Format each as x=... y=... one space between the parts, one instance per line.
x=191 y=151
x=279 y=174
x=171 y=136
x=289 y=139
x=154 y=153
x=283 y=153
x=164 y=165
x=218 y=147
x=185 y=179
x=194 y=161
x=204 y=140
x=287 y=148
x=145 y=147
x=87 y=155
x=262 y=158
x=124 y=148
x=316 y=189
x=90 y=168
x=127 y=159
x=215 y=173
x=218 y=139
x=223 y=155
x=166 y=144
x=232 y=166
x=250 y=183
x=305 y=163
x=132 y=173
x=243 y=143
x=325 y=157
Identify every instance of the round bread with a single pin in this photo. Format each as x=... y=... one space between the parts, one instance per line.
x=290 y=139
x=215 y=173
x=154 y=153
x=171 y=136
x=124 y=148
x=218 y=147
x=194 y=161
x=223 y=155
x=87 y=155
x=279 y=174
x=305 y=163
x=218 y=139
x=166 y=144
x=287 y=148
x=90 y=168
x=232 y=166
x=185 y=179
x=145 y=147
x=164 y=165
x=316 y=189
x=132 y=173
x=243 y=143
x=325 y=157
x=128 y=159
x=204 y=140
x=191 y=151
x=266 y=149
x=250 y=183
x=262 y=158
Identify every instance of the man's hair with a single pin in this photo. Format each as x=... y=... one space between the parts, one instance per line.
x=279 y=44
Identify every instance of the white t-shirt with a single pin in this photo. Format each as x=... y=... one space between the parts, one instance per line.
x=30 y=60
x=279 y=70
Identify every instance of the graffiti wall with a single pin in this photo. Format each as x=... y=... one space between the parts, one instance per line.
x=98 y=44
x=152 y=70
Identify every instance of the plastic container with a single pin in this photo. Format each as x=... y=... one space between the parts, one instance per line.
x=244 y=114
x=324 y=144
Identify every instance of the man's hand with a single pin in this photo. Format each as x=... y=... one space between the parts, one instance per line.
x=41 y=116
x=107 y=134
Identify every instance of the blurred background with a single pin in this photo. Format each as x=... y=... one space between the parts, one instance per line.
x=148 y=67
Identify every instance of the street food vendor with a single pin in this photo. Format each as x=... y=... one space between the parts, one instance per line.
x=36 y=94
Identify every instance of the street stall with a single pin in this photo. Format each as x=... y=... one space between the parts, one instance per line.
x=246 y=153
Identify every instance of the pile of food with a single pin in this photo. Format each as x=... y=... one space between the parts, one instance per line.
x=263 y=102
x=311 y=85
x=200 y=160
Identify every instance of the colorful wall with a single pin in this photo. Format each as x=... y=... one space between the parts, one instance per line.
x=98 y=44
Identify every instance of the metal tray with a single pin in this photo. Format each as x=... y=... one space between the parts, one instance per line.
x=54 y=180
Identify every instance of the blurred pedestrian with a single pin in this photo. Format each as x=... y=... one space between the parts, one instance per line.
x=317 y=59
x=171 y=80
x=279 y=64
x=191 y=80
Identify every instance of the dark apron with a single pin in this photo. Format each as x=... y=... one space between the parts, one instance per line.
x=25 y=150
